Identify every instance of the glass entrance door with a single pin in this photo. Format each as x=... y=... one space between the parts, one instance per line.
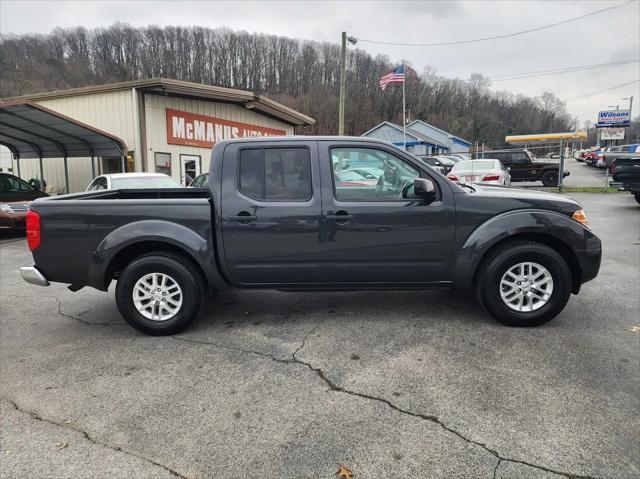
x=189 y=168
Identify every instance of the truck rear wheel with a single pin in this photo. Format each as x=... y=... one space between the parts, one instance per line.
x=160 y=295
x=524 y=284
x=550 y=178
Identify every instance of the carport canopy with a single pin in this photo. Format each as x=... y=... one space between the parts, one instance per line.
x=547 y=138
x=30 y=130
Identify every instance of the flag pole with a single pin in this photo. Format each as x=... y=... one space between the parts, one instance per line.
x=404 y=111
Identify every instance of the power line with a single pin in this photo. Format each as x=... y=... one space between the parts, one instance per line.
x=541 y=73
x=587 y=95
x=508 y=35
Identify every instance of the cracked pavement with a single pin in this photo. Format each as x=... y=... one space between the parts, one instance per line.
x=274 y=384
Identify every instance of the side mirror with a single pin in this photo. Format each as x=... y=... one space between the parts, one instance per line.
x=508 y=168
x=424 y=187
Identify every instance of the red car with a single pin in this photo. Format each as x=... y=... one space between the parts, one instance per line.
x=15 y=197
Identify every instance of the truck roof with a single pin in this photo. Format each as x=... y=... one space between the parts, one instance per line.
x=268 y=139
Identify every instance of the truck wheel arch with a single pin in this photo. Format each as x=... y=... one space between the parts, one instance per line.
x=551 y=229
x=125 y=244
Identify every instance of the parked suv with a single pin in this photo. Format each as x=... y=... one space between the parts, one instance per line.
x=523 y=166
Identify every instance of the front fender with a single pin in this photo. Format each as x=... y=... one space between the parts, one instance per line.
x=198 y=247
x=537 y=222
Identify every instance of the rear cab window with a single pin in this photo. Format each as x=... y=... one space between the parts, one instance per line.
x=275 y=174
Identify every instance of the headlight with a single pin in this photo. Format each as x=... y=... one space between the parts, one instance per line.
x=6 y=208
x=581 y=217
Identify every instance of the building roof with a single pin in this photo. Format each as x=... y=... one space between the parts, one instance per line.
x=410 y=132
x=30 y=130
x=250 y=100
x=440 y=130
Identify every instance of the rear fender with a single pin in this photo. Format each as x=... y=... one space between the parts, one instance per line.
x=535 y=223
x=199 y=248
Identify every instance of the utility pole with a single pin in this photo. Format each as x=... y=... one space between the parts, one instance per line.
x=343 y=71
x=343 y=79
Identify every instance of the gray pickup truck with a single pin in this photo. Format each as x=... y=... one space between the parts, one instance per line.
x=295 y=214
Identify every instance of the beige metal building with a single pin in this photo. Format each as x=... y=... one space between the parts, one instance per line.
x=168 y=126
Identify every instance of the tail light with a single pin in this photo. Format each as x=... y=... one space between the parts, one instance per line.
x=33 y=229
x=453 y=177
x=612 y=168
x=491 y=177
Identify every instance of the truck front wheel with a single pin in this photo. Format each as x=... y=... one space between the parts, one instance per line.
x=550 y=178
x=160 y=295
x=524 y=284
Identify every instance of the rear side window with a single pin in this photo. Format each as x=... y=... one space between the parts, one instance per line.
x=275 y=174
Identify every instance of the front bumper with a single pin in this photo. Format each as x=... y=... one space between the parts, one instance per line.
x=589 y=262
x=32 y=275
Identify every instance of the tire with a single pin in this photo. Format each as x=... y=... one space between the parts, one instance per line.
x=550 y=178
x=490 y=286
x=183 y=304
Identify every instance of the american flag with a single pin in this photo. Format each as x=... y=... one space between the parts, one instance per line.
x=394 y=76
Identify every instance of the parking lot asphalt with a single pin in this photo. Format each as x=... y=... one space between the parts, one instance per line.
x=274 y=384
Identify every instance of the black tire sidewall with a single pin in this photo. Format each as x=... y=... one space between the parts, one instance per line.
x=550 y=178
x=186 y=279
x=495 y=269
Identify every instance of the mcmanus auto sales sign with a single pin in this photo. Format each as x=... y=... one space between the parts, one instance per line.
x=190 y=129
x=614 y=118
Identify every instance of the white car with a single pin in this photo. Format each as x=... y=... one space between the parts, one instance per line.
x=130 y=181
x=487 y=171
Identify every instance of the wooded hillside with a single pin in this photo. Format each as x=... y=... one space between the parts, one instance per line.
x=299 y=73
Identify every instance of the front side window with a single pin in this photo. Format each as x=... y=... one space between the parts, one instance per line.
x=520 y=157
x=367 y=174
x=163 y=163
x=275 y=174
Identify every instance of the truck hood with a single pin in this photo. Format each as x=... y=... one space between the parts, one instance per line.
x=528 y=198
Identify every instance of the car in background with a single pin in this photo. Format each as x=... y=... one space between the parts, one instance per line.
x=132 y=181
x=523 y=166
x=441 y=163
x=348 y=178
x=15 y=197
x=200 y=181
x=369 y=173
x=489 y=171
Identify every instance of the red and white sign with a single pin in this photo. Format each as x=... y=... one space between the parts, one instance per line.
x=612 y=134
x=190 y=129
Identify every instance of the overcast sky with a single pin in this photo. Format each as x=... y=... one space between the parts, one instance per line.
x=603 y=38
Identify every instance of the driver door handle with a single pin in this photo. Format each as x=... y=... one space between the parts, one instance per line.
x=340 y=217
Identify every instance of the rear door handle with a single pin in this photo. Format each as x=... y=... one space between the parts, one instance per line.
x=243 y=217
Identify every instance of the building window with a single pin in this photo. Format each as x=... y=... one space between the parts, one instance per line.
x=275 y=174
x=163 y=163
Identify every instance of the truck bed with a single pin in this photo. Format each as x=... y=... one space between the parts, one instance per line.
x=137 y=194
x=77 y=234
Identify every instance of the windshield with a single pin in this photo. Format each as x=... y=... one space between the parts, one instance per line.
x=143 y=182
x=475 y=165
x=13 y=183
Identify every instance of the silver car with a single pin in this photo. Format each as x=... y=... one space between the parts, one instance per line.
x=487 y=171
x=127 y=181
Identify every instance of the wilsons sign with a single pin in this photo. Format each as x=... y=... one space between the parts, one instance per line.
x=614 y=118
x=203 y=131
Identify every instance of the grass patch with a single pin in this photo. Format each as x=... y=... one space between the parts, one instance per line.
x=591 y=189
